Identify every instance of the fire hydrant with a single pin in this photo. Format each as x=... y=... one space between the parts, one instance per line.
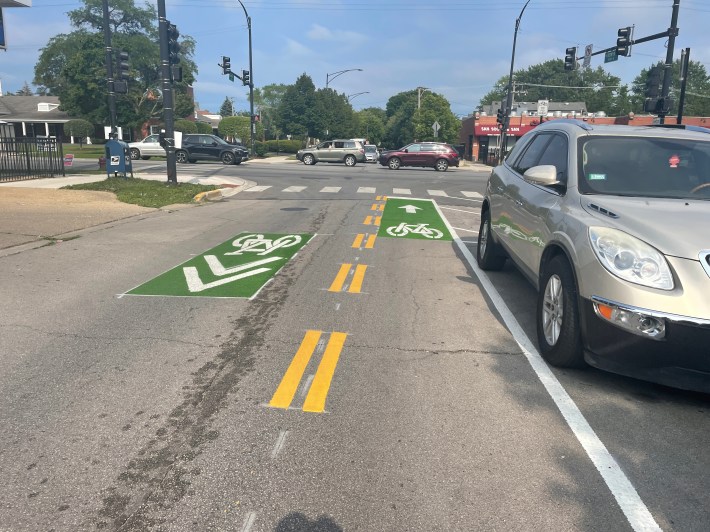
x=102 y=163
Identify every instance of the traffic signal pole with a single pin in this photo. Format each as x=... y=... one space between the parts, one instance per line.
x=109 y=70
x=252 y=126
x=672 y=32
x=168 y=109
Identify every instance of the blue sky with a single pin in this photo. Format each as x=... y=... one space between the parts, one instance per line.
x=457 y=48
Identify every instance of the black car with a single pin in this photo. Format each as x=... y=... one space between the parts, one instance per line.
x=196 y=147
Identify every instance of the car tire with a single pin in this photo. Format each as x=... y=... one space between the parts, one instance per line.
x=192 y=161
x=135 y=154
x=308 y=159
x=237 y=161
x=441 y=165
x=350 y=160
x=181 y=156
x=227 y=158
x=394 y=163
x=145 y=157
x=489 y=254
x=558 y=330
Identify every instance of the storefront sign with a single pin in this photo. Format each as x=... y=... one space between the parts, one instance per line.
x=515 y=130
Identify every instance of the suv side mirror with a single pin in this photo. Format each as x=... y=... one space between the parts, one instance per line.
x=544 y=175
x=405 y=150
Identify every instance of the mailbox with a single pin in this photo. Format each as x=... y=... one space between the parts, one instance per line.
x=118 y=158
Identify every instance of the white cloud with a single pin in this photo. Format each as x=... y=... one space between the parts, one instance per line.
x=344 y=37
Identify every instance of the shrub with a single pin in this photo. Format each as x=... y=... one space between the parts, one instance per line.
x=204 y=127
x=185 y=126
x=260 y=148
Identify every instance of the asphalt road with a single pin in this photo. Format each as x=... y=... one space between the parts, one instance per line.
x=154 y=413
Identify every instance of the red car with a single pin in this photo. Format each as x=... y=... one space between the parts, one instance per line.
x=428 y=154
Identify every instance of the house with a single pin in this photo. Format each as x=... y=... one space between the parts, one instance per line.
x=33 y=116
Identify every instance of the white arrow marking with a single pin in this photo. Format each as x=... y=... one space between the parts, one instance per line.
x=195 y=284
x=411 y=209
x=219 y=270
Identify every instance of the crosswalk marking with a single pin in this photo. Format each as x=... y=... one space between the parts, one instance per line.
x=471 y=194
x=294 y=189
x=366 y=190
x=405 y=191
x=260 y=188
x=441 y=193
x=330 y=189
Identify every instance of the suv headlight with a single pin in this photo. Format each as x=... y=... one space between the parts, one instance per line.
x=630 y=259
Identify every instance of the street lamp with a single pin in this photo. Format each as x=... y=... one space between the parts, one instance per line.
x=351 y=96
x=509 y=97
x=252 y=128
x=332 y=76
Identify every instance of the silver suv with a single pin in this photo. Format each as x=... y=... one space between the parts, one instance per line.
x=611 y=224
x=345 y=151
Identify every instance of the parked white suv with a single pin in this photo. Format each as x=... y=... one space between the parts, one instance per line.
x=146 y=148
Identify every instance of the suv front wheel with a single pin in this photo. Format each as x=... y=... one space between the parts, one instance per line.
x=181 y=156
x=309 y=159
x=227 y=158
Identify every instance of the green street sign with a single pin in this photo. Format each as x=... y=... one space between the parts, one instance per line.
x=408 y=218
x=231 y=77
x=610 y=56
x=239 y=267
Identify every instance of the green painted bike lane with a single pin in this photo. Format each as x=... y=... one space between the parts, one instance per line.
x=239 y=267
x=412 y=218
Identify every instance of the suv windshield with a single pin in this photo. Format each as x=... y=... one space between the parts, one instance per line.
x=644 y=166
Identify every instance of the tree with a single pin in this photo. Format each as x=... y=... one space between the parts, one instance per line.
x=237 y=127
x=371 y=124
x=407 y=121
x=204 y=127
x=549 y=81
x=227 y=108
x=185 y=126
x=697 y=96
x=266 y=102
x=25 y=90
x=334 y=115
x=72 y=66
x=79 y=128
x=296 y=114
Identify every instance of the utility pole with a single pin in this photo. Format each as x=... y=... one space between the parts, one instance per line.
x=684 y=64
x=419 y=96
x=252 y=129
x=168 y=109
x=109 y=70
x=672 y=32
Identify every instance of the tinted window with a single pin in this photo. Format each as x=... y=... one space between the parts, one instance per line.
x=189 y=138
x=339 y=144
x=414 y=148
x=556 y=154
x=327 y=144
x=532 y=154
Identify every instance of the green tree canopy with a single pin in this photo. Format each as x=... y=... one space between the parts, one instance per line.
x=297 y=114
x=407 y=121
x=185 y=126
x=79 y=128
x=26 y=90
x=72 y=66
x=697 y=95
x=227 y=108
x=237 y=127
x=371 y=124
x=266 y=103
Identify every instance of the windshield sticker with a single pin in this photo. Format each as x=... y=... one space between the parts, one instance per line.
x=674 y=161
x=596 y=177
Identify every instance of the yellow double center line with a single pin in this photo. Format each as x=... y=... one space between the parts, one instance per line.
x=369 y=244
x=370 y=220
x=358 y=275
x=318 y=391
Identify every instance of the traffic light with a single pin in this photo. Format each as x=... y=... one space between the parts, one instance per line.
x=246 y=77
x=571 y=58
x=176 y=73
x=623 y=42
x=226 y=65
x=500 y=116
x=123 y=65
x=653 y=82
x=173 y=45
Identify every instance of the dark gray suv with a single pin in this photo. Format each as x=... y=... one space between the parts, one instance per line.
x=196 y=147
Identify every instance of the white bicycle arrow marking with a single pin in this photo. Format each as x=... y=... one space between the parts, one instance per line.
x=411 y=209
x=195 y=284
x=219 y=270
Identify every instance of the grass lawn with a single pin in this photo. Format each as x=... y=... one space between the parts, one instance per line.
x=144 y=192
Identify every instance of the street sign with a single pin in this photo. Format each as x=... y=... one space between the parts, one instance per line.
x=436 y=127
x=610 y=56
x=542 y=106
x=587 y=56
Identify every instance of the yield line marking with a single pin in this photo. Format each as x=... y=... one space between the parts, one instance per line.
x=337 y=285
x=402 y=191
x=289 y=384
x=358 y=240
x=366 y=190
x=441 y=193
x=315 y=400
x=358 y=278
x=294 y=189
x=331 y=189
x=471 y=194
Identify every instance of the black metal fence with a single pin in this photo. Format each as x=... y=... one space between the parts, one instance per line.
x=30 y=158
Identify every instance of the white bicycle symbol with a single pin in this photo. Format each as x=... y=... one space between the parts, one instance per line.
x=262 y=246
x=419 y=229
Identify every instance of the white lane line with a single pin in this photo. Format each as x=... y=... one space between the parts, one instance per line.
x=279 y=443
x=471 y=194
x=626 y=496
x=249 y=522
x=402 y=191
x=466 y=230
x=260 y=188
x=458 y=210
x=367 y=190
x=437 y=193
x=330 y=189
x=306 y=385
x=294 y=189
